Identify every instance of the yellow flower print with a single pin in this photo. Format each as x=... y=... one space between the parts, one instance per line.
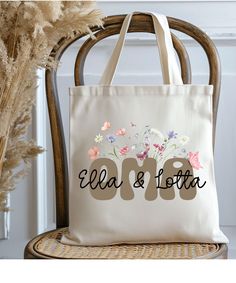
x=98 y=138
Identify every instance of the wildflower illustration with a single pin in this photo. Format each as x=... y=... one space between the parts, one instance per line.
x=121 y=132
x=98 y=138
x=141 y=143
x=194 y=160
x=124 y=150
x=93 y=152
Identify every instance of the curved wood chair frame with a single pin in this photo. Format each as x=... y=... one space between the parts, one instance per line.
x=112 y=24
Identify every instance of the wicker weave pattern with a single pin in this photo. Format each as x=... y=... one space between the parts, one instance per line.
x=49 y=245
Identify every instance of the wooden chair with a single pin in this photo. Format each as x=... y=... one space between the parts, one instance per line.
x=47 y=245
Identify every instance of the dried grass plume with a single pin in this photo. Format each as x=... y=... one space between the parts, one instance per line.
x=29 y=31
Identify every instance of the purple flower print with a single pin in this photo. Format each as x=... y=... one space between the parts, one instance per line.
x=172 y=135
x=159 y=147
x=141 y=143
x=111 y=138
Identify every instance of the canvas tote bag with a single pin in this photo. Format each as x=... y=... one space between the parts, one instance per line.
x=141 y=157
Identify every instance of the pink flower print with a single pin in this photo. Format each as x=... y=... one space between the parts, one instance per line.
x=159 y=147
x=121 y=132
x=124 y=150
x=93 y=153
x=193 y=159
x=111 y=138
x=143 y=154
x=106 y=126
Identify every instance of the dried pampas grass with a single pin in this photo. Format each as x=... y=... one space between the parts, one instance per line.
x=29 y=31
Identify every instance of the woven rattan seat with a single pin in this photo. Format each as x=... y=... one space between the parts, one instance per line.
x=48 y=245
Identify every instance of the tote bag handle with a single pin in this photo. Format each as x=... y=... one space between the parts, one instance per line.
x=170 y=70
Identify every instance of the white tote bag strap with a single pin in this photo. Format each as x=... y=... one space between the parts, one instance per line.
x=170 y=70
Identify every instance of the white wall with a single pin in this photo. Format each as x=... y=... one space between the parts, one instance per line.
x=23 y=220
x=139 y=64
